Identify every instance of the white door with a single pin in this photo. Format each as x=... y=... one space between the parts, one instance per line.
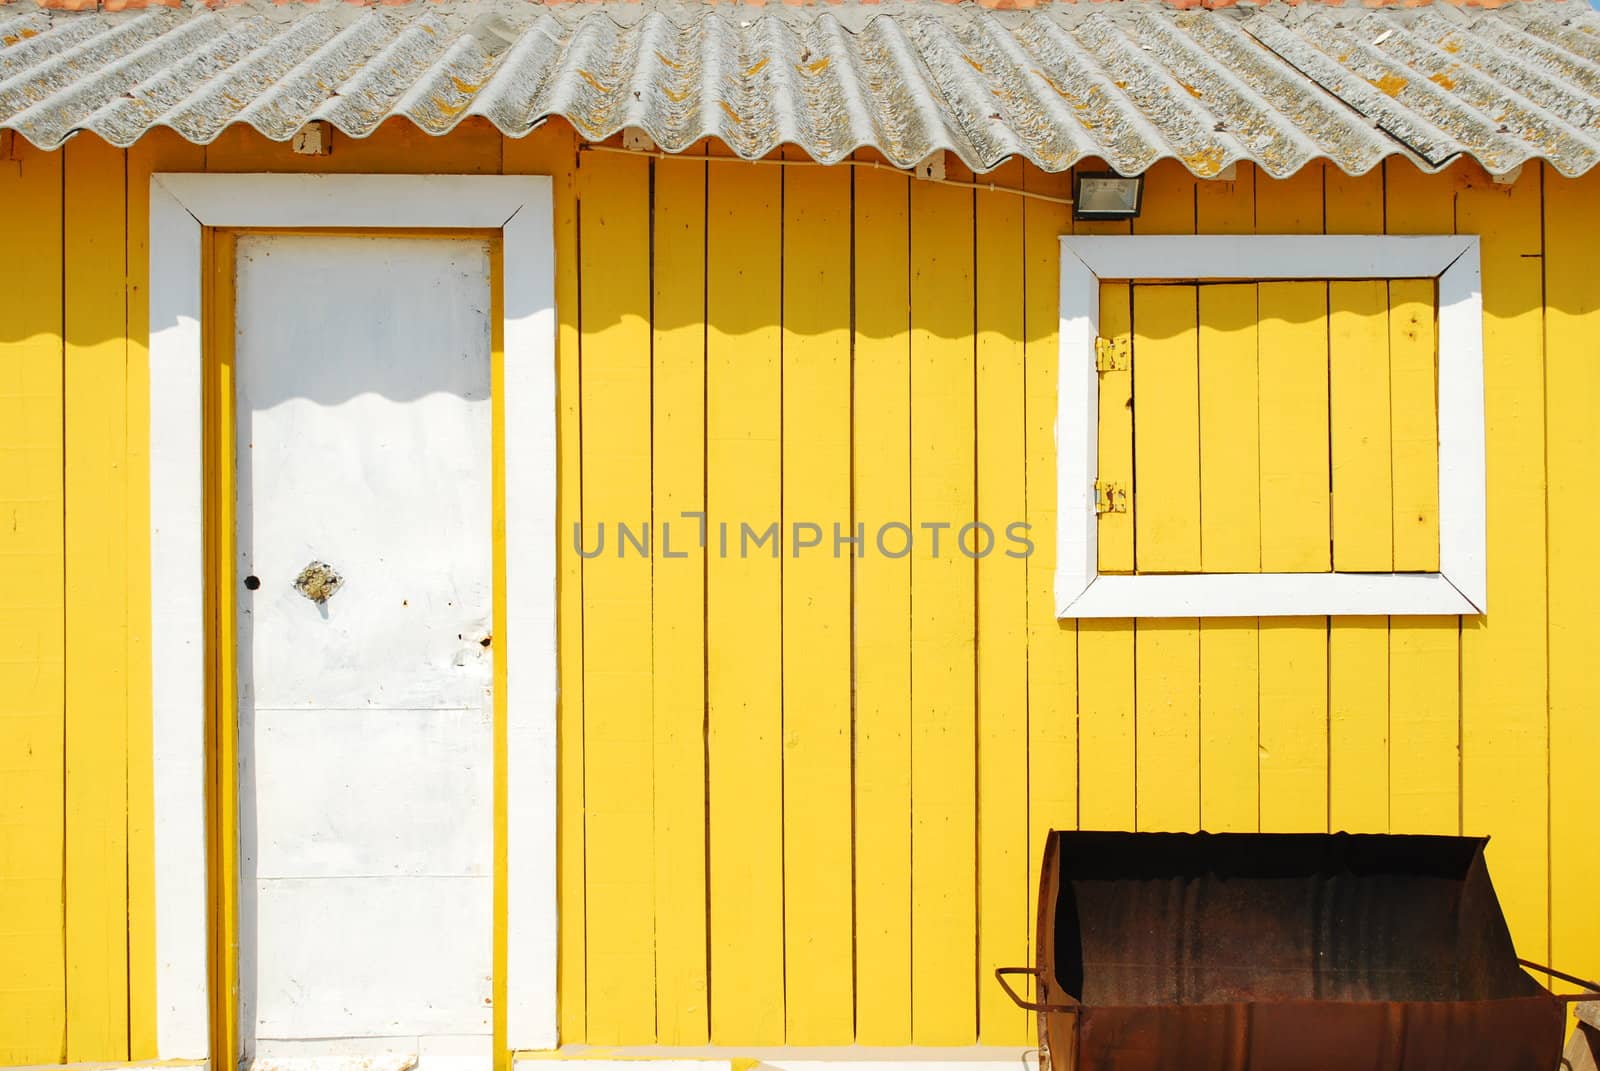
x=365 y=579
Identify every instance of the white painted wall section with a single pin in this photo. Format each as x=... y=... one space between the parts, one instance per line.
x=530 y=648
x=178 y=631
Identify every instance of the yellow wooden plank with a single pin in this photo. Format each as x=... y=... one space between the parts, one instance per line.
x=552 y=150
x=1114 y=456
x=1294 y=724
x=1504 y=719
x=1167 y=718
x=1166 y=489
x=96 y=603
x=32 y=685
x=1294 y=427
x=818 y=972
x=1004 y=898
x=1169 y=200
x=1052 y=644
x=161 y=150
x=1166 y=429
x=1230 y=745
x=1165 y=411
x=1167 y=453
x=1106 y=770
x=617 y=603
x=943 y=720
x=1293 y=205
x=1414 y=424
x=1358 y=399
x=1414 y=203
x=1106 y=774
x=1424 y=652
x=743 y=597
x=882 y=488
x=1230 y=448
x=1230 y=519
x=1227 y=207
x=678 y=628
x=1293 y=400
x=1358 y=724
x=1425 y=725
x=1352 y=204
x=1572 y=392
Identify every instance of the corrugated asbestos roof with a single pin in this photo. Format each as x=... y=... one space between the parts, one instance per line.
x=1128 y=81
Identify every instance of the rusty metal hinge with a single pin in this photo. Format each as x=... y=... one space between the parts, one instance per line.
x=1110 y=497
x=1112 y=355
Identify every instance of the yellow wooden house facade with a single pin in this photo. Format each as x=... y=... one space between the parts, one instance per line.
x=801 y=799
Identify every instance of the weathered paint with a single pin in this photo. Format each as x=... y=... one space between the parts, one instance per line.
x=1298 y=724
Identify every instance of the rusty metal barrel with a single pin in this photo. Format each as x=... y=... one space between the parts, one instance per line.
x=1280 y=952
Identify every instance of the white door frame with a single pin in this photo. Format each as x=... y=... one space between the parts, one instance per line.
x=520 y=208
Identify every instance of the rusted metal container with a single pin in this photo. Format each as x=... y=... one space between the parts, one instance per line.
x=1273 y=952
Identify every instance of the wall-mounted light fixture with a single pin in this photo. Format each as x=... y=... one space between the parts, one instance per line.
x=1106 y=195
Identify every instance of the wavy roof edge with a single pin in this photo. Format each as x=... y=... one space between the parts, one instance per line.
x=1130 y=82
x=998 y=5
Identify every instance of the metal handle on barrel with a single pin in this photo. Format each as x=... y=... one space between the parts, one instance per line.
x=1021 y=1002
x=1565 y=998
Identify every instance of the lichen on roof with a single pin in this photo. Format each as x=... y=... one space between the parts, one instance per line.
x=1129 y=82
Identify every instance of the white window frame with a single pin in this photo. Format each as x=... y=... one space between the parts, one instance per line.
x=520 y=207
x=1459 y=587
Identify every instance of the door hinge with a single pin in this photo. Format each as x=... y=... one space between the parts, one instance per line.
x=1112 y=355
x=1110 y=497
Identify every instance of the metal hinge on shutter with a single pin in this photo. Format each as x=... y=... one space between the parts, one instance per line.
x=1110 y=497
x=1112 y=355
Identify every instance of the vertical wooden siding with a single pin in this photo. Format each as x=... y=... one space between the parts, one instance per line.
x=881 y=644
x=803 y=797
x=817 y=864
x=1217 y=367
x=33 y=988
x=98 y=576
